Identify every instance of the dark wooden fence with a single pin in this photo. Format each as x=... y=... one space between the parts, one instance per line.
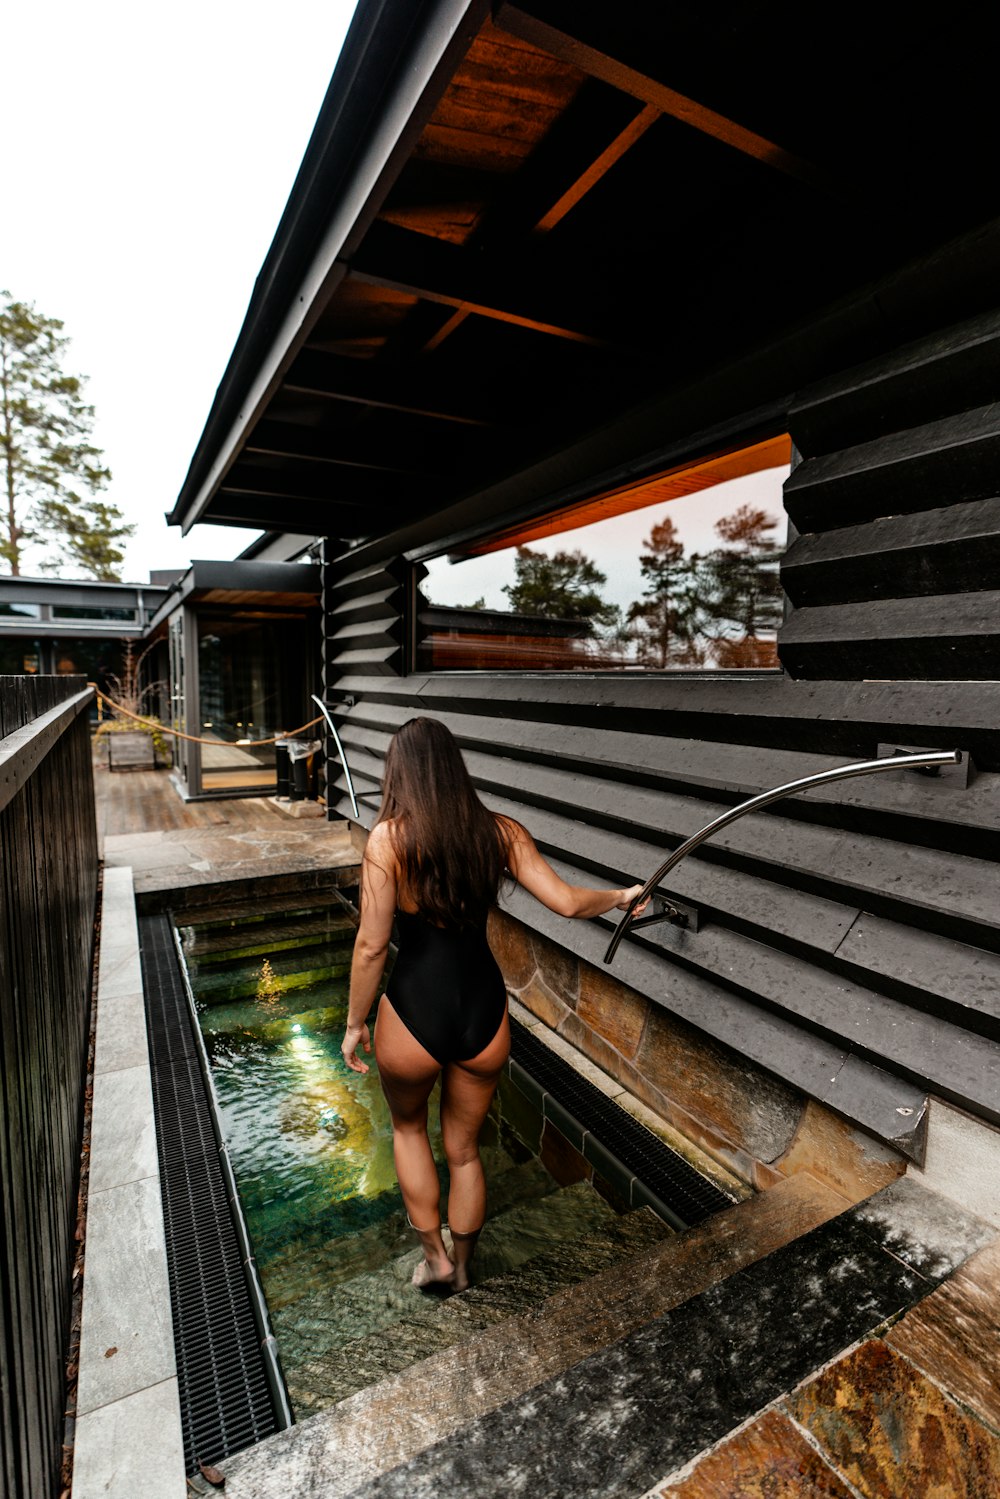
x=48 y=892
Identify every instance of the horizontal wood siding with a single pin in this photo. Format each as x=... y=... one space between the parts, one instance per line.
x=896 y=569
x=48 y=870
x=861 y=922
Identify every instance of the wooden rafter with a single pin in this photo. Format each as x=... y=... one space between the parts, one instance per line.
x=329 y=378
x=607 y=159
x=286 y=440
x=480 y=309
x=667 y=100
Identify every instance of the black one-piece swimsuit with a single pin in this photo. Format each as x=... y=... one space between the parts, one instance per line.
x=446 y=988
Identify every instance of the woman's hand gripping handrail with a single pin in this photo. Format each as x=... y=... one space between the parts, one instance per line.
x=764 y=799
x=340 y=751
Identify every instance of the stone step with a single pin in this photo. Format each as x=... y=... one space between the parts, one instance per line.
x=344 y=1449
x=635 y=1411
x=223 y=984
x=444 y=1323
x=329 y=1317
x=213 y=916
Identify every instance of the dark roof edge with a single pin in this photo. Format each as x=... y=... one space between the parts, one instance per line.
x=376 y=63
x=238 y=576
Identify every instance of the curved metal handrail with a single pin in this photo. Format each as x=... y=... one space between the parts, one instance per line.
x=764 y=799
x=340 y=751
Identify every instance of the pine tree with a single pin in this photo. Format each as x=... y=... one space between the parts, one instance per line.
x=669 y=616
x=52 y=472
x=747 y=601
x=563 y=586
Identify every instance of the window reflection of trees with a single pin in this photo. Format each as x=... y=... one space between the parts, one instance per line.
x=717 y=609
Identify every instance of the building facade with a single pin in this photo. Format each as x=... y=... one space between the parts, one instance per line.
x=630 y=285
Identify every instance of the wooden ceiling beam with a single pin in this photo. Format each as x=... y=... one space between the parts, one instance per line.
x=327 y=377
x=354 y=489
x=286 y=440
x=651 y=91
x=315 y=517
x=597 y=169
x=400 y=260
x=480 y=309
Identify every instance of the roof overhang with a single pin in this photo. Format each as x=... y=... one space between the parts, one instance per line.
x=249 y=586
x=525 y=240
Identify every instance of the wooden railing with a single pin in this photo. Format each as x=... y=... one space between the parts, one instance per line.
x=48 y=894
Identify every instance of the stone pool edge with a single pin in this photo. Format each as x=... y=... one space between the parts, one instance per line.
x=128 y=1436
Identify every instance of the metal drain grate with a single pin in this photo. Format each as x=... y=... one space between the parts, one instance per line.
x=666 y=1174
x=225 y=1398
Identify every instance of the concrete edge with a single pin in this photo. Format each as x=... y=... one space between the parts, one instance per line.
x=128 y=1398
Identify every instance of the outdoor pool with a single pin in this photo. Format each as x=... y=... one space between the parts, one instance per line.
x=311 y=1147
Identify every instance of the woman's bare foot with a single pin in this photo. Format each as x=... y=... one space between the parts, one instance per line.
x=434 y=1272
x=462 y=1246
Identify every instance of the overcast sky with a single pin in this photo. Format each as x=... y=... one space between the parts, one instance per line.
x=148 y=154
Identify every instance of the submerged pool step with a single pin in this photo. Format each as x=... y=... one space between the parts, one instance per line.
x=232 y=942
x=208 y=912
x=340 y=1258
x=433 y=1325
x=617 y=1421
x=224 y=982
x=327 y=1316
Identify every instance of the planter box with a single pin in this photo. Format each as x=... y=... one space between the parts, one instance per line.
x=131 y=751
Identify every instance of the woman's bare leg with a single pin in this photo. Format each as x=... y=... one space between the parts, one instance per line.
x=467 y=1090
x=408 y=1072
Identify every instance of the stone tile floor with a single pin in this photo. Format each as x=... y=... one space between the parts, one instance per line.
x=174 y=846
x=914 y=1414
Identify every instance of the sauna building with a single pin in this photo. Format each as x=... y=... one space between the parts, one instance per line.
x=630 y=287
x=633 y=374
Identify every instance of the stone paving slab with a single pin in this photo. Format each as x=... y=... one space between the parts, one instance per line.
x=892 y=1432
x=127 y=1439
x=769 y=1459
x=132 y=1449
x=954 y=1335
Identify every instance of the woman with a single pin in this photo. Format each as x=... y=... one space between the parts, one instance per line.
x=434 y=863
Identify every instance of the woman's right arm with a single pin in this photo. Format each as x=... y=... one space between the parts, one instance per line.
x=538 y=877
x=371 y=946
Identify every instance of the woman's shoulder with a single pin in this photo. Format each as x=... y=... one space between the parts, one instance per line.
x=512 y=830
x=381 y=843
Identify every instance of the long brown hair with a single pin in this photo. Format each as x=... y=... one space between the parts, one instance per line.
x=451 y=850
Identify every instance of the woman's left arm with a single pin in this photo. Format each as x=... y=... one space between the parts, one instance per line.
x=371 y=946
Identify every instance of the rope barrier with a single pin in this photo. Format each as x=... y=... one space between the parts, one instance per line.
x=150 y=723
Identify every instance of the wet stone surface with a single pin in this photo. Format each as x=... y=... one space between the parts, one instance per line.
x=770 y=1459
x=931 y=1234
x=895 y=1434
x=617 y=1421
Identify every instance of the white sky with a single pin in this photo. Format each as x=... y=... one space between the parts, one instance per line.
x=148 y=155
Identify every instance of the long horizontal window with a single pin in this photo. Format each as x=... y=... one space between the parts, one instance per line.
x=85 y=612
x=677 y=573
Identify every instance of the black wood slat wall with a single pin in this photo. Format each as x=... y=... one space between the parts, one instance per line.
x=895 y=570
x=866 y=916
x=48 y=870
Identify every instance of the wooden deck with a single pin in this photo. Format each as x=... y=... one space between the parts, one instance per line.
x=177 y=849
x=147 y=801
